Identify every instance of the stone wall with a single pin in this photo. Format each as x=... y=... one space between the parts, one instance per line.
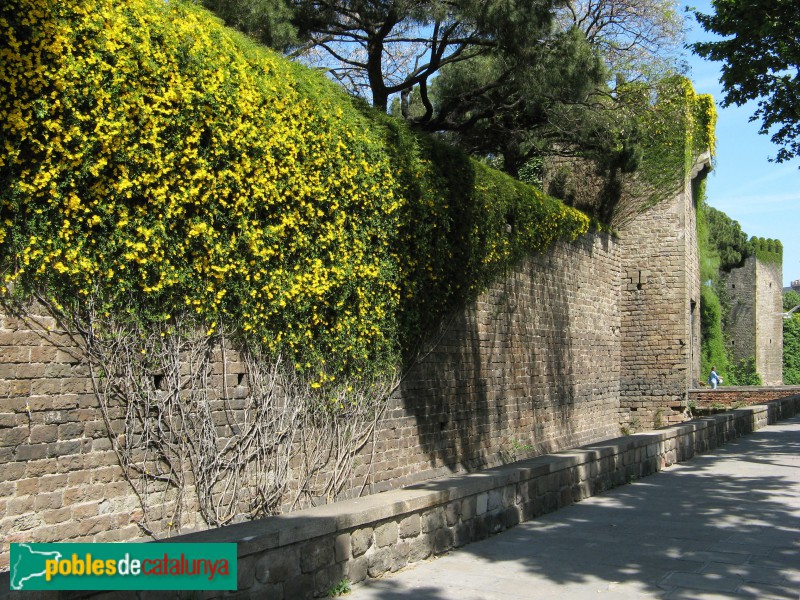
x=735 y=397
x=660 y=306
x=304 y=554
x=754 y=328
x=740 y=326
x=532 y=366
x=769 y=322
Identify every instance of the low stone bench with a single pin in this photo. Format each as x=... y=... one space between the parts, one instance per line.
x=304 y=553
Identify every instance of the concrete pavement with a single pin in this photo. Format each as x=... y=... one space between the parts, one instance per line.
x=723 y=525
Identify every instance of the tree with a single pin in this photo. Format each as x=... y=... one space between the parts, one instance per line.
x=791 y=340
x=638 y=39
x=727 y=239
x=386 y=47
x=516 y=113
x=268 y=21
x=761 y=62
x=790 y=300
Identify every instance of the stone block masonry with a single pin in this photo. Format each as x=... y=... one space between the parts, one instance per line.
x=304 y=554
x=532 y=366
x=559 y=352
x=660 y=305
x=754 y=328
x=734 y=397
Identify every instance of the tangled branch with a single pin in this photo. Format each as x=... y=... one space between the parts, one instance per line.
x=188 y=440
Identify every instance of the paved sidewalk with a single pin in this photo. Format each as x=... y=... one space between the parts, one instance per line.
x=723 y=525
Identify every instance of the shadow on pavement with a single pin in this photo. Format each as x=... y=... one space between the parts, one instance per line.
x=726 y=523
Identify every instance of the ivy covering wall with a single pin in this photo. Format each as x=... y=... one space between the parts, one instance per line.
x=678 y=129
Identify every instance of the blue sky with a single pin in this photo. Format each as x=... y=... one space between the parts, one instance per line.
x=763 y=196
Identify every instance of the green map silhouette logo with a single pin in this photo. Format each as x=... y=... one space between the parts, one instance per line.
x=27 y=564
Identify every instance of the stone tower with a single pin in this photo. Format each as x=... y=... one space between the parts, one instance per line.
x=660 y=307
x=754 y=328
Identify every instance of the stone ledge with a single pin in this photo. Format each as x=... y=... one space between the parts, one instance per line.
x=728 y=396
x=302 y=554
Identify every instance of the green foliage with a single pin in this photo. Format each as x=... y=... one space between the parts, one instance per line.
x=791 y=339
x=712 y=347
x=760 y=53
x=676 y=129
x=708 y=251
x=744 y=373
x=713 y=350
x=521 y=112
x=791 y=349
x=726 y=238
x=161 y=168
x=341 y=588
x=532 y=172
x=767 y=250
x=268 y=21
x=467 y=224
x=790 y=300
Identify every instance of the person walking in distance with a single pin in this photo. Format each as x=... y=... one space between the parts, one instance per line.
x=713 y=379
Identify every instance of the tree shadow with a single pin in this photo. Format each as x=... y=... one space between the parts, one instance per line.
x=498 y=382
x=701 y=528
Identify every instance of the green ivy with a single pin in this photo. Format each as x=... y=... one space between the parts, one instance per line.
x=791 y=340
x=744 y=373
x=768 y=251
x=678 y=129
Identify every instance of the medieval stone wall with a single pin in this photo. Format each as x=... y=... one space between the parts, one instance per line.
x=769 y=322
x=754 y=328
x=532 y=366
x=740 y=326
x=659 y=308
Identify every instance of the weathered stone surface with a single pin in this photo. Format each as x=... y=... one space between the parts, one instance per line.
x=356 y=569
x=433 y=520
x=317 y=554
x=442 y=541
x=755 y=325
x=300 y=587
x=452 y=512
x=482 y=503
x=342 y=547
x=400 y=555
x=386 y=534
x=379 y=562
x=278 y=565
x=410 y=526
x=326 y=578
x=420 y=548
x=469 y=507
x=245 y=573
x=361 y=540
x=485 y=392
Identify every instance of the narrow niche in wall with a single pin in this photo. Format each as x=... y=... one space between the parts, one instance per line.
x=158 y=381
